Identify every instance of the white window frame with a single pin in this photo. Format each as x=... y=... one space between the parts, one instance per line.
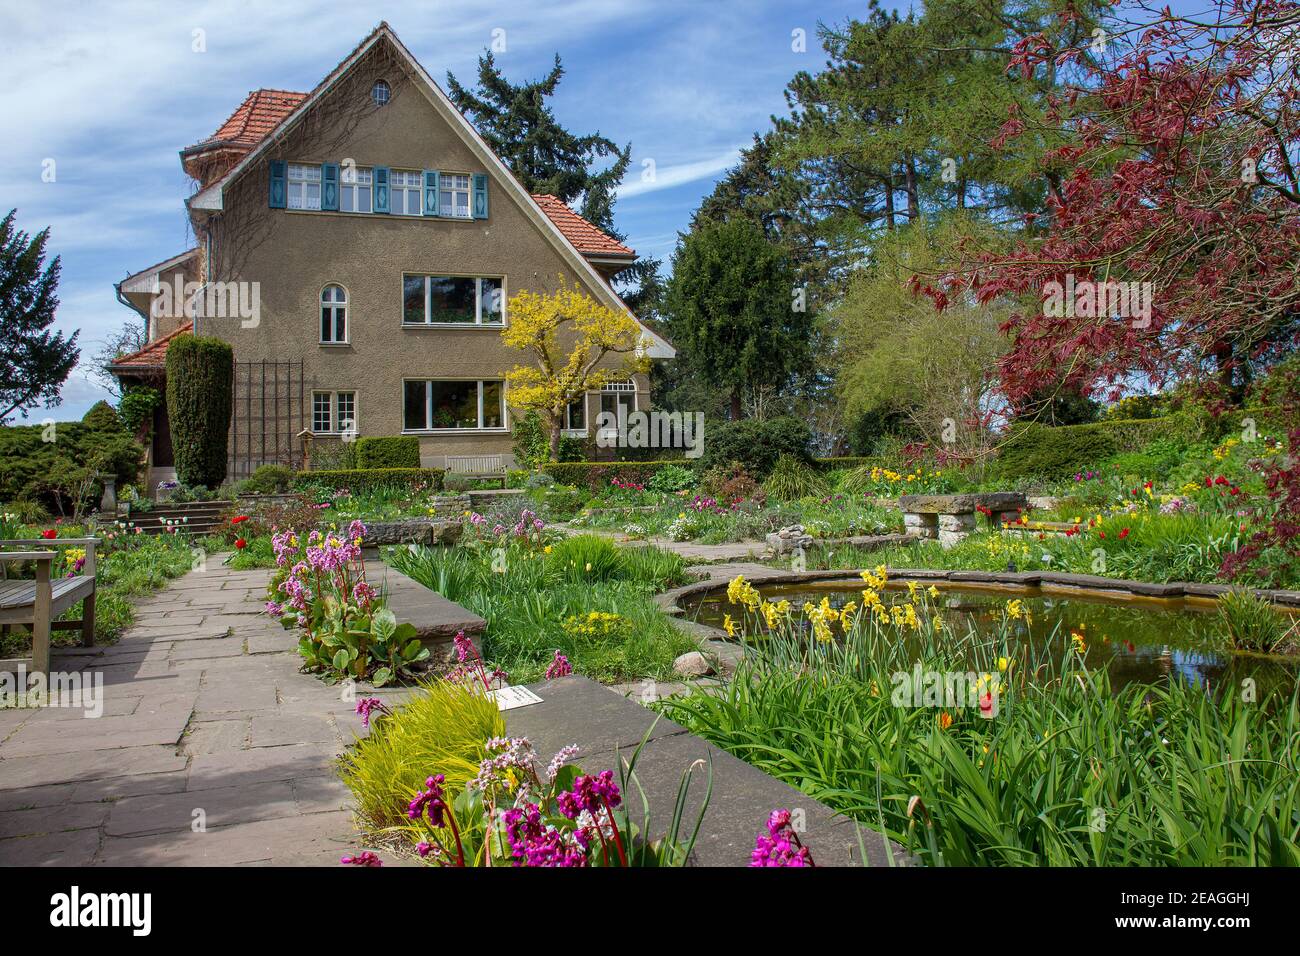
x=408 y=189
x=569 y=428
x=448 y=211
x=299 y=179
x=355 y=183
x=504 y=427
x=381 y=93
x=337 y=424
x=478 y=322
x=322 y=305
x=615 y=388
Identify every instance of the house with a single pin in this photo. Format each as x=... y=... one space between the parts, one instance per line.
x=356 y=245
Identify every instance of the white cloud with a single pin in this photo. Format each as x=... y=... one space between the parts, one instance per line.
x=667 y=177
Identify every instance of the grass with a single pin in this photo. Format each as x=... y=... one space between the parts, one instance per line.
x=1156 y=548
x=1068 y=773
x=441 y=729
x=128 y=568
x=538 y=603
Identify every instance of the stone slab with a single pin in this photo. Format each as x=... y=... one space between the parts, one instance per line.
x=962 y=504
x=435 y=618
x=578 y=710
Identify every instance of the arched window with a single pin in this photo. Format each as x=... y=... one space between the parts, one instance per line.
x=380 y=93
x=334 y=315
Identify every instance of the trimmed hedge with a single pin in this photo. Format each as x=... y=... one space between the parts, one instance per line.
x=389 y=451
x=199 y=392
x=596 y=475
x=361 y=479
x=756 y=445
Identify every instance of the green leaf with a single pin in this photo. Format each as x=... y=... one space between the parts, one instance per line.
x=383 y=623
x=341 y=660
x=381 y=677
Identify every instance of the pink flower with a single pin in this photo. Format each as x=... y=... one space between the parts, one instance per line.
x=559 y=667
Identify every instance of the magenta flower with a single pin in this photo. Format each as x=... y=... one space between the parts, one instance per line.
x=780 y=846
x=366 y=706
x=364 y=858
x=559 y=667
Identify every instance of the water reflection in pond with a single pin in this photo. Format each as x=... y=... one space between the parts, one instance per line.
x=1135 y=639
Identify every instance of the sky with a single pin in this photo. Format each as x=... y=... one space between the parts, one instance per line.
x=99 y=97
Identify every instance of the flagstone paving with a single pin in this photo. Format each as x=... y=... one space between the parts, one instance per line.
x=211 y=749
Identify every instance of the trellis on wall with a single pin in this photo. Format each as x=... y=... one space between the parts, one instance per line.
x=269 y=412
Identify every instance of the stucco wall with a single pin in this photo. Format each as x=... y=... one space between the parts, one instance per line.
x=293 y=255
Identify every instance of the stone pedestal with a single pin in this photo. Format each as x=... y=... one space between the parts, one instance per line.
x=954 y=528
x=921 y=526
x=109 y=501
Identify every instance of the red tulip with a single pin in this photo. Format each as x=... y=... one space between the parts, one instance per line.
x=241 y=544
x=49 y=533
x=238 y=518
x=1123 y=533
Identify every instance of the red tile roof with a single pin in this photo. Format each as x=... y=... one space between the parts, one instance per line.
x=153 y=355
x=586 y=238
x=260 y=113
x=263 y=110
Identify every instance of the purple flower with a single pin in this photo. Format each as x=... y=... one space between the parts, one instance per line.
x=464 y=647
x=366 y=705
x=559 y=667
x=364 y=858
x=591 y=794
x=430 y=802
x=533 y=843
x=780 y=846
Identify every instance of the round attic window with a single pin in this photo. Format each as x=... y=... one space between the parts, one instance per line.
x=380 y=93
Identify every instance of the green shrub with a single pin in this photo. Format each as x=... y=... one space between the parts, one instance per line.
x=363 y=479
x=199 y=393
x=793 y=479
x=137 y=406
x=596 y=475
x=532 y=444
x=389 y=451
x=58 y=465
x=1039 y=451
x=671 y=479
x=101 y=417
x=267 y=480
x=756 y=444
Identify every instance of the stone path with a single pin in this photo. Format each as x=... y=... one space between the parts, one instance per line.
x=211 y=748
x=731 y=551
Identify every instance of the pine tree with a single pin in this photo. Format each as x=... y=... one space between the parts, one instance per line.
x=34 y=362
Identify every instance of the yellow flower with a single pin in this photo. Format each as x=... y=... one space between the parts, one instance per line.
x=933 y=592
x=729 y=625
x=546 y=550
x=588 y=565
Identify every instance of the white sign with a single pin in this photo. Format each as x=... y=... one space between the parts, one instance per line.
x=508 y=698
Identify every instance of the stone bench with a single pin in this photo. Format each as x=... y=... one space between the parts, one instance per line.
x=950 y=518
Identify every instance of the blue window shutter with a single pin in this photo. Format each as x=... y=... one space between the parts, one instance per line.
x=277 y=197
x=381 y=189
x=480 y=196
x=329 y=186
x=431 y=192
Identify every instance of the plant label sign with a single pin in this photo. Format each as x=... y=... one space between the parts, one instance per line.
x=508 y=698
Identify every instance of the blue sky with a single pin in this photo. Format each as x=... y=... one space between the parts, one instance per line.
x=110 y=91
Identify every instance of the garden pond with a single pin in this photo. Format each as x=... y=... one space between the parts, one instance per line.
x=1136 y=639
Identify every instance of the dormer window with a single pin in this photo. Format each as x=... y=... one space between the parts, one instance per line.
x=380 y=93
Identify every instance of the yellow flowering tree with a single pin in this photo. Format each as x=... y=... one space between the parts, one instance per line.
x=573 y=344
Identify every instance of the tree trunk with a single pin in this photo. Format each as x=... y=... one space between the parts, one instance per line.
x=555 y=437
x=889 y=201
x=735 y=404
x=913 y=199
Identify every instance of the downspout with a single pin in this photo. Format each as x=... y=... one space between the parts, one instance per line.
x=117 y=290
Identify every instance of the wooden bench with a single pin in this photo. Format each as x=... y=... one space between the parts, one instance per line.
x=36 y=603
x=477 y=466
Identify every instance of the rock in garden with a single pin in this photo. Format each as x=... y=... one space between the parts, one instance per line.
x=693 y=664
x=789 y=539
